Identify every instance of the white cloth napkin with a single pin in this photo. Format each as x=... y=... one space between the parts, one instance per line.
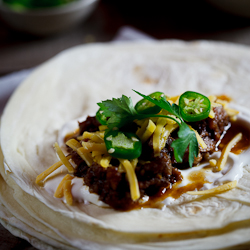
x=9 y=82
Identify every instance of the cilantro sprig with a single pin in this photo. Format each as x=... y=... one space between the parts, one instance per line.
x=121 y=111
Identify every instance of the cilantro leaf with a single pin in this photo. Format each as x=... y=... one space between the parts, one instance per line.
x=187 y=138
x=127 y=105
x=118 y=105
x=119 y=110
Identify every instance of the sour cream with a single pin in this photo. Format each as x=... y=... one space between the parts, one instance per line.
x=232 y=171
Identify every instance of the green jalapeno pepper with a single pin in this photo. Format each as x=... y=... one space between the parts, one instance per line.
x=124 y=145
x=194 y=106
x=146 y=107
x=101 y=117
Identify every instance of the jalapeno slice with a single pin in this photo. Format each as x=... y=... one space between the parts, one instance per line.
x=124 y=145
x=194 y=106
x=146 y=107
x=101 y=117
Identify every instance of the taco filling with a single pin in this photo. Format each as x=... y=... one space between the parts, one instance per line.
x=134 y=156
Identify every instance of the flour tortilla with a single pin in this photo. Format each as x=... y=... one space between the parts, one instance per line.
x=67 y=87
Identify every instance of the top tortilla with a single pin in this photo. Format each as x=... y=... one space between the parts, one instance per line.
x=68 y=86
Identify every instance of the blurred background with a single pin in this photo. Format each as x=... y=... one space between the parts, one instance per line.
x=161 y=19
x=28 y=37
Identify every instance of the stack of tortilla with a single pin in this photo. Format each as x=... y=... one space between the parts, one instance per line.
x=67 y=87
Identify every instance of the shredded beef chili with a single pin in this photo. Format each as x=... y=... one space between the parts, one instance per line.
x=156 y=174
x=210 y=131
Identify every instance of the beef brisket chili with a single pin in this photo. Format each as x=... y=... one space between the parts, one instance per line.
x=156 y=168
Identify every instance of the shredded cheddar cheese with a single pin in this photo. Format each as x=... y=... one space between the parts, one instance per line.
x=216 y=190
x=134 y=162
x=217 y=102
x=74 y=144
x=95 y=153
x=63 y=158
x=232 y=112
x=93 y=136
x=97 y=159
x=105 y=161
x=59 y=191
x=226 y=150
x=67 y=192
x=199 y=139
x=91 y=146
x=167 y=130
x=212 y=163
x=85 y=155
x=103 y=127
x=211 y=114
x=222 y=102
x=161 y=122
x=48 y=171
x=174 y=99
x=146 y=130
x=132 y=179
x=212 y=99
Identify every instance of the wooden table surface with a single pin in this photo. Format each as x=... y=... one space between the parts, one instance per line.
x=179 y=19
